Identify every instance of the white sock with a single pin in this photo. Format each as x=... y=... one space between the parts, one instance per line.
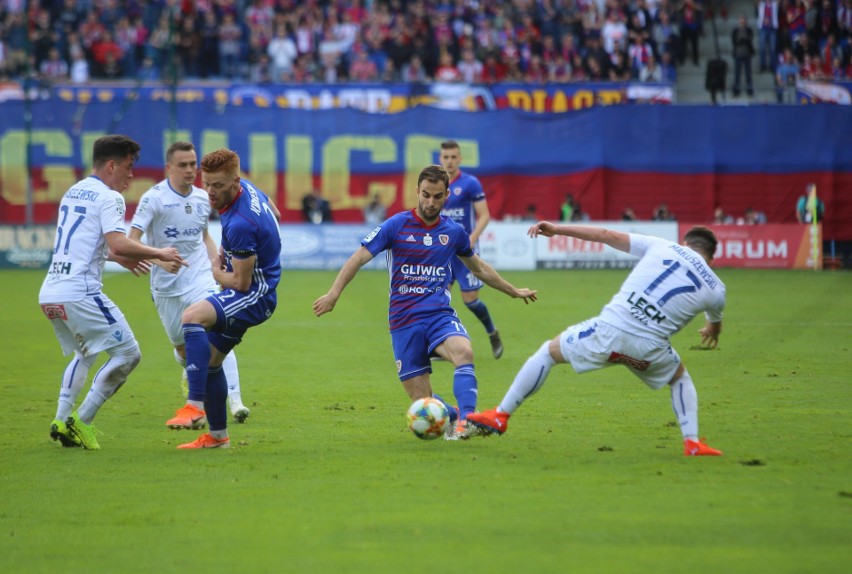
x=73 y=380
x=109 y=379
x=219 y=434
x=685 y=406
x=232 y=375
x=529 y=379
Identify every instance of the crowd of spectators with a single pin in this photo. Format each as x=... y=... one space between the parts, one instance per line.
x=333 y=41
x=346 y=40
x=808 y=39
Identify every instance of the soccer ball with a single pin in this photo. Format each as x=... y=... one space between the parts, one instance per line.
x=428 y=418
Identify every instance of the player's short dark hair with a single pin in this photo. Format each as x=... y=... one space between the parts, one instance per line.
x=702 y=239
x=221 y=160
x=434 y=174
x=176 y=147
x=114 y=147
x=450 y=144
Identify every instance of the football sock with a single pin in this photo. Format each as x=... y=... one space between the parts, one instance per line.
x=73 y=380
x=232 y=374
x=464 y=389
x=197 y=359
x=110 y=377
x=481 y=311
x=214 y=400
x=685 y=405
x=529 y=379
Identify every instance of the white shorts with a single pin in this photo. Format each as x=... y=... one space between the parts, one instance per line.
x=593 y=345
x=89 y=326
x=171 y=309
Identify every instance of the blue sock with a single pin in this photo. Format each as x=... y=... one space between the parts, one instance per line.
x=454 y=412
x=464 y=388
x=481 y=311
x=197 y=359
x=214 y=401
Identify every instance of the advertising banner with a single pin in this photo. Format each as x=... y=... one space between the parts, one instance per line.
x=26 y=247
x=374 y=97
x=767 y=246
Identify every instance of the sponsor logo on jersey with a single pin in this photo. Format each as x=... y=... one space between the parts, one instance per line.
x=411 y=239
x=427 y=240
x=642 y=310
x=140 y=209
x=118 y=335
x=454 y=213
x=60 y=268
x=171 y=205
x=412 y=270
x=171 y=232
x=54 y=312
x=444 y=239
x=414 y=290
x=372 y=234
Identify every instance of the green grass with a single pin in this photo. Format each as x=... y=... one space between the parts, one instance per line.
x=325 y=478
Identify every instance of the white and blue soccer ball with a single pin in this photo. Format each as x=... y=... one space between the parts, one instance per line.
x=428 y=418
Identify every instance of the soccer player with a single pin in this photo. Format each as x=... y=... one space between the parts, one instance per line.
x=248 y=269
x=174 y=213
x=467 y=206
x=669 y=285
x=421 y=245
x=91 y=230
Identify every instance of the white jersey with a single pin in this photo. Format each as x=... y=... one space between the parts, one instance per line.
x=669 y=285
x=169 y=219
x=87 y=212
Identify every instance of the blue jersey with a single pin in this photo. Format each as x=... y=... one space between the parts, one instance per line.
x=464 y=191
x=419 y=259
x=249 y=227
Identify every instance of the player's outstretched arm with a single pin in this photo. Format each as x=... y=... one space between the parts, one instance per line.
x=488 y=275
x=615 y=239
x=326 y=303
x=135 y=234
x=122 y=246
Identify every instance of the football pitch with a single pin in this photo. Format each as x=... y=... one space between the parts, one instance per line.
x=325 y=477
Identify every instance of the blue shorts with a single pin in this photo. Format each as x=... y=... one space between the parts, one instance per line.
x=235 y=313
x=413 y=345
x=467 y=280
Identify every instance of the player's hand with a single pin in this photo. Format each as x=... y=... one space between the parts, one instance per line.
x=324 y=304
x=136 y=266
x=171 y=255
x=170 y=266
x=709 y=336
x=544 y=228
x=528 y=295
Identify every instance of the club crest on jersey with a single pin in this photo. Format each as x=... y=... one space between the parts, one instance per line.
x=457 y=191
x=187 y=208
x=427 y=240
x=444 y=239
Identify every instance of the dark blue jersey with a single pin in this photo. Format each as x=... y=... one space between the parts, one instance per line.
x=249 y=227
x=464 y=191
x=419 y=258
